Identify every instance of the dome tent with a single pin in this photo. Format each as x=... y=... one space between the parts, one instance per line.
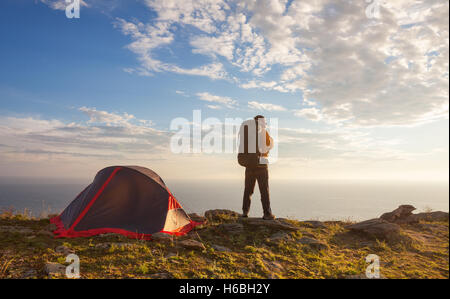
x=129 y=200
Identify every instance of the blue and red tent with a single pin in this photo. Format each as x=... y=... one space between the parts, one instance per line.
x=129 y=200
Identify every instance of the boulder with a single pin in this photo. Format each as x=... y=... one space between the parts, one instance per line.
x=280 y=236
x=161 y=236
x=220 y=214
x=280 y=224
x=313 y=243
x=171 y=254
x=192 y=244
x=197 y=218
x=64 y=250
x=431 y=216
x=403 y=214
x=378 y=228
x=54 y=269
x=30 y=273
x=231 y=227
x=398 y=214
x=221 y=248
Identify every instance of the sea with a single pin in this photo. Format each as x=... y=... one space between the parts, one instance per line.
x=294 y=199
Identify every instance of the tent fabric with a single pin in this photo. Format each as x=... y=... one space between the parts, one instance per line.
x=130 y=200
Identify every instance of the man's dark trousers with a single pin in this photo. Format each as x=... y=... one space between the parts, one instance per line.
x=260 y=174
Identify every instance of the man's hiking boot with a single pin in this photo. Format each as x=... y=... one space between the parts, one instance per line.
x=269 y=217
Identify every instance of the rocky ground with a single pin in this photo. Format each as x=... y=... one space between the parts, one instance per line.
x=227 y=246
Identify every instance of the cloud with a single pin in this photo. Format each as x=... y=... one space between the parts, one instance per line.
x=147 y=38
x=108 y=118
x=388 y=71
x=104 y=135
x=364 y=72
x=313 y=114
x=202 y=14
x=225 y=101
x=60 y=4
x=214 y=107
x=265 y=106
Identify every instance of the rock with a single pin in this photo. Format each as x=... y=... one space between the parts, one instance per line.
x=171 y=254
x=403 y=214
x=313 y=243
x=231 y=227
x=160 y=276
x=220 y=214
x=273 y=266
x=192 y=244
x=197 y=218
x=54 y=269
x=398 y=214
x=431 y=216
x=107 y=235
x=161 y=236
x=273 y=224
x=280 y=236
x=15 y=229
x=220 y=248
x=64 y=250
x=30 y=273
x=315 y=224
x=45 y=233
x=378 y=228
x=102 y=246
x=245 y=271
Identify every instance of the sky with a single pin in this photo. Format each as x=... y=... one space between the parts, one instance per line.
x=359 y=89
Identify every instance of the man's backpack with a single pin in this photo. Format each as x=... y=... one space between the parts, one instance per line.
x=248 y=157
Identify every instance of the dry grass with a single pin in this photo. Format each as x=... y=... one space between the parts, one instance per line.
x=251 y=256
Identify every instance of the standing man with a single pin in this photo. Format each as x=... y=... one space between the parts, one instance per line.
x=259 y=172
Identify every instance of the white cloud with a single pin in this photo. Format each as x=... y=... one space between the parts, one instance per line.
x=226 y=101
x=265 y=106
x=313 y=114
x=98 y=116
x=202 y=14
x=60 y=4
x=147 y=38
x=389 y=71
x=104 y=136
x=214 y=107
